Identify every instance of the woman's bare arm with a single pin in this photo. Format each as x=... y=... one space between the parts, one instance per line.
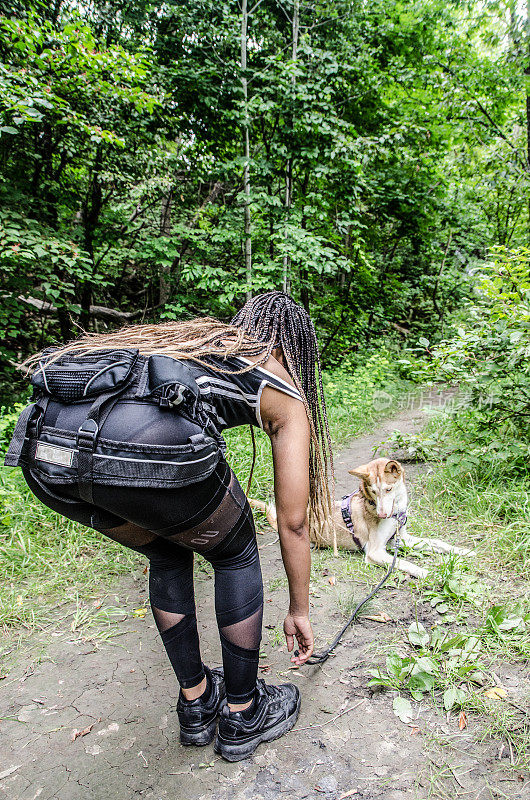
x=285 y=420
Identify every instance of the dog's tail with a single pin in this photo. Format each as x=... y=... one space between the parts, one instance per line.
x=268 y=509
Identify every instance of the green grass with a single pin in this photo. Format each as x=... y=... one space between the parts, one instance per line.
x=276 y=636
x=494 y=519
x=46 y=559
x=490 y=515
x=483 y=599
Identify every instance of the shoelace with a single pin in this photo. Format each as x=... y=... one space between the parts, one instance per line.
x=273 y=691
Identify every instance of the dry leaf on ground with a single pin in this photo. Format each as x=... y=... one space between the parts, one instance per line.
x=382 y=617
x=9 y=771
x=77 y=734
x=497 y=693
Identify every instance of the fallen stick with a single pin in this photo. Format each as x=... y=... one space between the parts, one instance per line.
x=323 y=724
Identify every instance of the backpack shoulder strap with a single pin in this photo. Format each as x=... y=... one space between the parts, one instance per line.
x=31 y=415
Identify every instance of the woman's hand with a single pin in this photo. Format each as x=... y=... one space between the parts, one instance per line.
x=298 y=625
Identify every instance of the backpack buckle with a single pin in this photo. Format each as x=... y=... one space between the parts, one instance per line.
x=173 y=396
x=87 y=434
x=35 y=424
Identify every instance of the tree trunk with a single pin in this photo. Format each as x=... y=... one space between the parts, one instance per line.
x=304 y=275
x=437 y=308
x=91 y=212
x=527 y=93
x=388 y=258
x=246 y=146
x=528 y=140
x=289 y=166
x=287 y=204
x=347 y=253
x=165 y=230
x=64 y=324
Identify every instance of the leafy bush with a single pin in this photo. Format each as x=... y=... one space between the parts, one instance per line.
x=8 y=418
x=357 y=398
x=488 y=360
x=438 y=660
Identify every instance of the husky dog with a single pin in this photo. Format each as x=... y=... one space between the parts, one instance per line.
x=368 y=518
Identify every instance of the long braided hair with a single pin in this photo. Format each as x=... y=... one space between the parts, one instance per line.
x=193 y=339
x=275 y=319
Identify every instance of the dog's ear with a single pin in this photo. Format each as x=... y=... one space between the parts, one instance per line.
x=394 y=468
x=360 y=472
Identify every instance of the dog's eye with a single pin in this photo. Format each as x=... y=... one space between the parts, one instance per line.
x=389 y=488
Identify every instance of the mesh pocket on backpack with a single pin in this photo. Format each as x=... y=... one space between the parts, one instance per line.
x=72 y=377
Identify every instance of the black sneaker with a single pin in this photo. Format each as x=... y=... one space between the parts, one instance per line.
x=198 y=717
x=275 y=712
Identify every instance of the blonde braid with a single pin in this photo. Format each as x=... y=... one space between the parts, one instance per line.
x=276 y=320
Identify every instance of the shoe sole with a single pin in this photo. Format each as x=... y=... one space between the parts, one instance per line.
x=237 y=752
x=198 y=738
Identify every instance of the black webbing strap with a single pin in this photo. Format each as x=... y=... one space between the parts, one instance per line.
x=252 y=436
x=16 y=445
x=87 y=436
x=31 y=415
x=346 y=516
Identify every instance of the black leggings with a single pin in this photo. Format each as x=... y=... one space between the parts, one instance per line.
x=212 y=518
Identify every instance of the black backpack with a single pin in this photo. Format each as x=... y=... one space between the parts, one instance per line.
x=97 y=380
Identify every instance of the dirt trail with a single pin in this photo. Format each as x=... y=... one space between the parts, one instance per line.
x=122 y=694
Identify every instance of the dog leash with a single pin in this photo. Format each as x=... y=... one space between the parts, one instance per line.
x=320 y=658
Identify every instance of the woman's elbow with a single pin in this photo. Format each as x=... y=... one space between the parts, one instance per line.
x=296 y=526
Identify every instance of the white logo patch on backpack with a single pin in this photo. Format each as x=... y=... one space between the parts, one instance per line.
x=52 y=454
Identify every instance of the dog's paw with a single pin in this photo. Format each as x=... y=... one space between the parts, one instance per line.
x=418 y=572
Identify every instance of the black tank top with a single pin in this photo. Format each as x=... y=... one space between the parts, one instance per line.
x=234 y=399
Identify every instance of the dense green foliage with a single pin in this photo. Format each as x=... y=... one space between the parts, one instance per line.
x=386 y=154
x=484 y=430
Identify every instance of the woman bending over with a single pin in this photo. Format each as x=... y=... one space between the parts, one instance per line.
x=262 y=370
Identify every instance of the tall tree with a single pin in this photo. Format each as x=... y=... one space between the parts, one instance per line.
x=246 y=148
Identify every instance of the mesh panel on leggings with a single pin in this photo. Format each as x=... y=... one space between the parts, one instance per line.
x=166 y=619
x=247 y=632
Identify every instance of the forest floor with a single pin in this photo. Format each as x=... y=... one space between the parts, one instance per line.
x=116 y=691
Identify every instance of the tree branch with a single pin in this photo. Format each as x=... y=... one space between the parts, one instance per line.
x=99 y=312
x=486 y=114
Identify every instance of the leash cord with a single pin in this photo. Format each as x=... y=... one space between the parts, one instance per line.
x=252 y=436
x=320 y=658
